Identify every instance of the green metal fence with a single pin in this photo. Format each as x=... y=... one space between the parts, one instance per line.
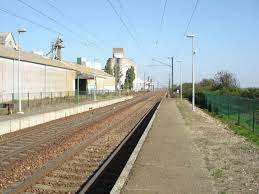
x=242 y=111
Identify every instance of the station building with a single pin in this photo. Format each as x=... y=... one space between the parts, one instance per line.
x=40 y=74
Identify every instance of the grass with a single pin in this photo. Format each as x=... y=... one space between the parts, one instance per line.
x=241 y=130
x=217 y=173
x=244 y=129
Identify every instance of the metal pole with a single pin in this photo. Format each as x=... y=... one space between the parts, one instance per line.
x=193 y=84
x=169 y=84
x=172 y=76
x=78 y=88
x=181 y=82
x=45 y=81
x=19 y=76
x=95 y=88
x=116 y=81
x=144 y=81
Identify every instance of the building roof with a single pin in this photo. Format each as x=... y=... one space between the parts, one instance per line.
x=12 y=53
x=118 y=50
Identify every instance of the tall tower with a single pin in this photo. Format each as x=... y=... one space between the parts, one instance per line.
x=56 y=47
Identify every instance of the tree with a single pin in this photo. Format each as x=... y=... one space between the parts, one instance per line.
x=130 y=77
x=117 y=75
x=206 y=84
x=108 y=67
x=225 y=79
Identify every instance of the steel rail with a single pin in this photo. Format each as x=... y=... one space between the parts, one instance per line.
x=54 y=163
x=90 y=182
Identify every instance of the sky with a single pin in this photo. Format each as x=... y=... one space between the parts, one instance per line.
x=226 y=33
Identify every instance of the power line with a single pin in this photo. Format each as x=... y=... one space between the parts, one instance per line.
x=54 y=20
x=128 y=19
x=73 y=22
x=187 y=27
x=37 y=24
x=123 y=22
x=30 y=21
x=45 y=15
x=161 y=22
x=135 y=37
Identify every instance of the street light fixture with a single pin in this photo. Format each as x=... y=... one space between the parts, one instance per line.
x=19 y=71
x=193 y=84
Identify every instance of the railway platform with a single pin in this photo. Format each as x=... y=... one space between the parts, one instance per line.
x=168 y=161
x=14 y=122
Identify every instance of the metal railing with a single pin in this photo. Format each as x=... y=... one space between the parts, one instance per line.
x=44 y=100
x=242 y=111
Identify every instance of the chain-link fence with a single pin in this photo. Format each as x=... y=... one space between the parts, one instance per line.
x=242 y=111
x=48 y=100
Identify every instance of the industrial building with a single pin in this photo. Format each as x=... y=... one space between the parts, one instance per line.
x=118 y=57
x=43 y=74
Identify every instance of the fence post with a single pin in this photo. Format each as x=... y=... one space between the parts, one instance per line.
x=238 y=116
x=41 y=100
x=228 y=101
x=28 y=99
x=254 y=109
x=12 y=98
x=50 y=97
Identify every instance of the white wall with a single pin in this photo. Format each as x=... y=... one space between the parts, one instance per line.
x=35 y=78
x=125 y=64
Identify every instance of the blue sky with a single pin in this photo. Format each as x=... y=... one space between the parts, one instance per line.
x=227 y=33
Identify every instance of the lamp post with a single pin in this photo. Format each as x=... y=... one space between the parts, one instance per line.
x=181 y=80
x=95 y=84
x=172 y=66
x=193 y=84
x=19 y=71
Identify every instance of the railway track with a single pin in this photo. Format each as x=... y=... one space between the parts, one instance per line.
x=24 y=144
x=66 y=172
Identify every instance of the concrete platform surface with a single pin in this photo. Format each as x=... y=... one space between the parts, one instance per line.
x=17 y=122
x=169 y=161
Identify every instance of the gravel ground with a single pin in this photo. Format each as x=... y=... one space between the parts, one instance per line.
x=232 y=162
x=20 y=170
x=96 y=152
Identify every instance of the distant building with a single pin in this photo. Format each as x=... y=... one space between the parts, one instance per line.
x=118 y=53
x=125 y=63
x=43 y=74
x=88 y=63
x=138 y=84
x=7 y=39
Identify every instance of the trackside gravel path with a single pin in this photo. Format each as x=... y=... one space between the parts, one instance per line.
x=169 y=161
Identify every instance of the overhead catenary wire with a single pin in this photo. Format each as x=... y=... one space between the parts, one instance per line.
x=86 y=42
x=79 y=26
x=187 y=27
x=161 y=23
x=129 y=20
x=8 y=12
x=30 y=21
x=45 y=15
x=190 y=20
x=123 y=23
